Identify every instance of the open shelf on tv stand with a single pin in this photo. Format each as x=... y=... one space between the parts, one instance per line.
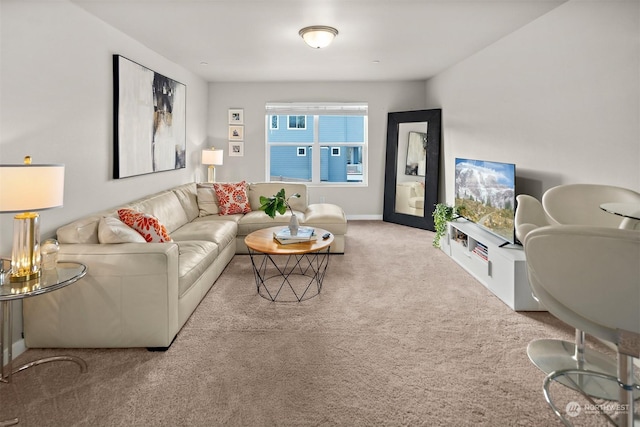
x=501 y=267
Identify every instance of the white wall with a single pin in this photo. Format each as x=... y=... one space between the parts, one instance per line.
x=56 y=92
x=382 y=97
x=559 y=97
x=57 y=106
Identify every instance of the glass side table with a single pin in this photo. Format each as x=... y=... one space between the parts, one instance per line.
x=64 y=274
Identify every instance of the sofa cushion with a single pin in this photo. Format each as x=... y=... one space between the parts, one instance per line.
x=207 y=200
x=186 y=194
x=84 y=230
x=268 y=189
x=147 y=225
x=112 y=230
x=220 y=232
x=257 y=220
x=195 y=257
x=166 y=207
x=232 y=197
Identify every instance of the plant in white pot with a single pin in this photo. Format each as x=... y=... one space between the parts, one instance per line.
x=278 y=204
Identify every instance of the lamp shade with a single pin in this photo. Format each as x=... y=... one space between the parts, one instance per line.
x=25 y=189
x=212 y=157
x=318 y=36
x=28 y=188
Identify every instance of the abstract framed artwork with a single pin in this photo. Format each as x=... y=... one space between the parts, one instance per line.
x=236 y=148
x=416 y=154
x=236 y=133
x=149 y=120
x=236 y=116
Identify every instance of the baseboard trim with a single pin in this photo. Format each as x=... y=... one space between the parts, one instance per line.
x=364 y=217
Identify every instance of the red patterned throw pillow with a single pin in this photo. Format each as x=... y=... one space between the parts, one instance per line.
x=147 y=225
x=232 y=198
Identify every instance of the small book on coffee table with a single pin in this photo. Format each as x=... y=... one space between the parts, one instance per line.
x=305 y=234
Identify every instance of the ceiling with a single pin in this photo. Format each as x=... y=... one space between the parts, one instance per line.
x=258 y=41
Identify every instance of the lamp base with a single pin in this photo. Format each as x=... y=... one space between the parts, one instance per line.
x=25 y=277
x=211 y=174
x=25 y=254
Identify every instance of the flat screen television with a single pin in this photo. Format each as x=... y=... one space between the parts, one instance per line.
x=486 y=195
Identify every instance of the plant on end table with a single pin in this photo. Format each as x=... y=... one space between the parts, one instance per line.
x=442 y=214
x=278 y=204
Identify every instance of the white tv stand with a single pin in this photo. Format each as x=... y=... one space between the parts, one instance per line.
x=500 y=267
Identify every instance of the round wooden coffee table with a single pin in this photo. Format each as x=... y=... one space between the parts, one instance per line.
x=288 y=273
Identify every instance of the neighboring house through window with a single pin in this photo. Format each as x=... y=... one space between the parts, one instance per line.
x=323 y=143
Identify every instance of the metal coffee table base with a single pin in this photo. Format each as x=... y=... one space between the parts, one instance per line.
x=294 y=278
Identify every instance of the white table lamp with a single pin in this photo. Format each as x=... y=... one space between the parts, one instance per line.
x=212 y=157
x=25 y=189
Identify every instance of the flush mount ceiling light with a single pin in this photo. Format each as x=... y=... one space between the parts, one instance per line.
x=318 y=36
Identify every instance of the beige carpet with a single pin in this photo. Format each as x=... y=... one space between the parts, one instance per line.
x=400 y=335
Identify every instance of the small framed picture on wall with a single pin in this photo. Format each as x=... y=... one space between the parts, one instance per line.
x=236 y=133
x=236 y=116
x=236 y=148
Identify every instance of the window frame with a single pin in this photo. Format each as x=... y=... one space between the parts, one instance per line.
x=277 y=122
x=297 y=116
x=316 y=110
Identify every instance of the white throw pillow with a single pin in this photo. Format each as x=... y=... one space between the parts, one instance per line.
x=112 y=230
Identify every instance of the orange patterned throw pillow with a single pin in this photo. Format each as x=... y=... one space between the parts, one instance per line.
x=147 y=225
x=232 y=198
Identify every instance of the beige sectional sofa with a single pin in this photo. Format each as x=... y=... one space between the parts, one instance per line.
x=139 y=294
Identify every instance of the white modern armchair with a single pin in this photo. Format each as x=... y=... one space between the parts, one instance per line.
x=529 y=215
x=589 y=277
x=551 y=355
x=579 y=204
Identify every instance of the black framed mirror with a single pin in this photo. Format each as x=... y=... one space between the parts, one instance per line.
x=412 y=167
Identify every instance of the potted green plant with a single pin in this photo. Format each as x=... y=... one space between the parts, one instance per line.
x=442 y=214
x=278 y=204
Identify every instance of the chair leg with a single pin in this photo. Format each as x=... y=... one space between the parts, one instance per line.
x=626 y=381
x=579 y=349
x=581 y=362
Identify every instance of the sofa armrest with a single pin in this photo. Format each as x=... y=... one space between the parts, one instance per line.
x=128 y=298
